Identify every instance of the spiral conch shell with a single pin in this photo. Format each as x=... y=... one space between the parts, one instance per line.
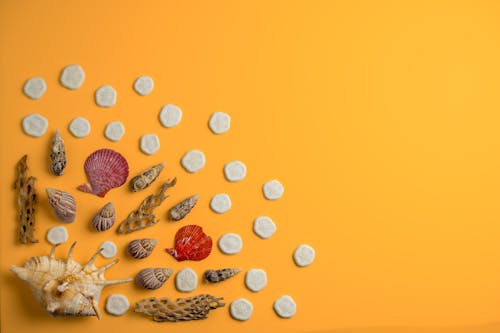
x=153 y=278
x=63 y=203
x=65 y=287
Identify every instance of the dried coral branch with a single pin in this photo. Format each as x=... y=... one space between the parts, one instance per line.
x=144 y=217
x=26 y=201
x=183 y=309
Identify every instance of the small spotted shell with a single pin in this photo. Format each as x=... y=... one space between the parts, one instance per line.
x=63 y=203
x=141 y=248
x=220 y=275
x=105 y=218
x=146 y=178
x=153 y=278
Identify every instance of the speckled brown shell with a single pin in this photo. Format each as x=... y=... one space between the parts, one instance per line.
x=141 y=248
x=146 y=178
x=105 y=218
x=179 y=211
x=57 y=155
x=63 y=203
x=219 y=275
x=153 y=278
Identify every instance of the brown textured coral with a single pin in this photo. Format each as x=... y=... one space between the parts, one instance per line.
x=183 y=309
x=26 y=201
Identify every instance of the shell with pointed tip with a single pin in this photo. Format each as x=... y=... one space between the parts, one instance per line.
x=105 y=169
x=179 y=211
x=153 y=278
x=64 y=287
x=57 y=155
x=219 y=275
x=191 y=243
x=141 y=248
x=146 y=178
x=105 y=218
x=63 y=203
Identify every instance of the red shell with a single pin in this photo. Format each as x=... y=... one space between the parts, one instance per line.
x=105 y=169
x=191 y=243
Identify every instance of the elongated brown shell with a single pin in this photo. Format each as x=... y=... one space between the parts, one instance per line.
x=26 y=202
x=57 y=155
x=141 y=248
x=105 y=218
x=146 y=178
x=219 y=275
x=179 y=211
x=63 y=203
x=153 y=278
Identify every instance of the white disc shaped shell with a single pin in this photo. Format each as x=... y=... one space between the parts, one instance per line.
x=304 y=255
x=256 y=279
x=105 y=96
x=193 y=161
x=186 y=280
x=150 y=143
x=285 y=307
x=35 y=125
x=264 y=227
x=79 y=127
x=108 y=249
x=235 y=171
x=143 y=85
x=57 y=235
x=114 y=131
x=117 y=304
x=170 y=115
x=273 y=190
x=241 y=309
x=220 y=203
x=35 y=87
x=230 y=243
x=219 y=122
x=72 y=77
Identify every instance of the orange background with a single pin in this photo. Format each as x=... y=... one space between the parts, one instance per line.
x=381 y=118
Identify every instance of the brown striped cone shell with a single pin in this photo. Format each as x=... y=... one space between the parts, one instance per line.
x=153 y=278
x=57 y=155
x=63 y=203
x=146 y=178
x=219 y=275
x=141 y=248
x=179 y=211
x=105 y=218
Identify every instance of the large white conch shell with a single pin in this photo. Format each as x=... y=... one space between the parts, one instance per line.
x=65 y=287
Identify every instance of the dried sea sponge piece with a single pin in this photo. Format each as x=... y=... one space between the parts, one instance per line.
x=146 y=178
x=183 y=309
x=144 y=217
x=179 y=211
x=26 y=202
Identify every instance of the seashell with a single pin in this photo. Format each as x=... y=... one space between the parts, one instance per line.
x=153 y=278
x=105 y=169
x=179 y=211
x=141 y=248
x=105 y=218
x=146 y=178
x=63 y=203
x=64 y=287
x=26 y=202
x=191 y=243
x=57 y=155
x=183 y=309
x=220 y=275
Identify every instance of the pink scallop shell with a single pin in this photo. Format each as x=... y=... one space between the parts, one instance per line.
x=105 y=169
x=191 y=243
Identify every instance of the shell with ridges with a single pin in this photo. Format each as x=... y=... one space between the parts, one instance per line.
x=57 y=155
x=105 y=218
x=146 y=178
x=141 y=248
x=64 y=287
x=179 y=211
x=191 y=243
x=63 y=203
x=220 y=275
x=153 y=278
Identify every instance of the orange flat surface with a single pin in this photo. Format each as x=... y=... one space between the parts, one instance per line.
x=381 y=119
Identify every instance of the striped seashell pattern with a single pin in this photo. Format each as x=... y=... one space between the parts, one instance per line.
x=141 y=248
x=105 y=218
x=63 y=203
x=153 y=278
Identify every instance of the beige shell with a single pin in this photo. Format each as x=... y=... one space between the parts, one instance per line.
x=146 y=178
x=179 y=211
x=153 y=278
x=57 y=155
x=141 y=248
x=63 y=203
x=105 y=218
x=64 y=287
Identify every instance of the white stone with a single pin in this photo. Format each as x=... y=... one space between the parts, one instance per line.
x=186 y=280
x=114 y=131
x=235 y=171
x=230 y=243
x=35 y=125
x=79 y=127
x=108 y=249
x=264 y=227
x=273 y=190
x=170 y=115
x=105 y=96
x=219 y=122
x=241 y=309
x=150 y=143
x=72 y=77
x=285 y=307
x=220 y=203
x=57 y=235
x=117 y=304
x=143 y=85
x=304 y=255
x=193 y=161
x=256 y=279
x=35 y=87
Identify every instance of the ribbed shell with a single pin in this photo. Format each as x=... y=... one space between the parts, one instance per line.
x=146 y=178
x=191 y=243
x=219 y=275
x=63 y=203
x=153 y=278
x=57 y=155
x=105 y=218
x=141 y=248
x=179 y=211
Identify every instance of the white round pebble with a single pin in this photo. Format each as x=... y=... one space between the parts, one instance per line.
x=193 y=161
x=143 y=85
x=150 y=143
x=256 y=279
x=220 y=203
x=235 y=171
x=264 y=227
x=285 y=307
x=170 y=115
x=72 y=77
x=108 y=249
x=35 y=87
x=273 y=190
x=117 y=304
x=57 y=235
x=219 y=122
x=230 y=243
x=304 y=255
x=79 y=127
x=114 y=131
x=35 y=125
x=186 y=280
x=105 y=96
x=241 y=309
